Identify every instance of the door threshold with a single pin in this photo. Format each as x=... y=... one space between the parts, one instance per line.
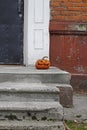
x=12 y=65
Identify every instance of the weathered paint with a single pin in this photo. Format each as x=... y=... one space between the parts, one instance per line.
x=68 y=46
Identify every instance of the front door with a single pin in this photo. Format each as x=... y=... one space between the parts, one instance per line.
x=38 y=29
x=11 y=31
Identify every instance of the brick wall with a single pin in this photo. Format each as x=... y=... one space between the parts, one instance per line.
x=69 y=17
x=69 y=10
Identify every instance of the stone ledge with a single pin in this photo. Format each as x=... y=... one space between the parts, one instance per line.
x=38 y=110
x=30 y=106
x=32 y=75
x=31 y=125
x=27 y=87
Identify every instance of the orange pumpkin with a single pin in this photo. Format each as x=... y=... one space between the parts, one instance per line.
x=43 y=63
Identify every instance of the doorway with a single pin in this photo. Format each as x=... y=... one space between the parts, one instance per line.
x=11 y=31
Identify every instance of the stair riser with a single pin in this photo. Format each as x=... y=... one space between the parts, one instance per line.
x=46 y=115
x=35 y=78
x=28 y=97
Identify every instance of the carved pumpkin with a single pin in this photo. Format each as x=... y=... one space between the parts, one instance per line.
x=43 y=63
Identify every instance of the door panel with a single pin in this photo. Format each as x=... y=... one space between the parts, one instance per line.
x=38 y=30
x=11 y=32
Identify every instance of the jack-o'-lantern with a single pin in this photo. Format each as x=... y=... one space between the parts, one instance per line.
x=43 y=63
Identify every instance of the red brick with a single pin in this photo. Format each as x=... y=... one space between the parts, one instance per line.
x=55 y=4
x=59 y=17
x=75 y=1
x=69 y=10
x=70 y=13
x=66 y=4
x=75 y=8
x=80 y=4
x=84 y=0
x=56 y=13
x=74 y=18
x=60 y=9
x=84 y=8
x=84 y=18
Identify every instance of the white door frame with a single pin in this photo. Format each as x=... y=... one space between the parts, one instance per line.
x=25 y=41
x=29 y=56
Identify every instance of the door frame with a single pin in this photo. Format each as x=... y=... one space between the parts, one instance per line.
x=27 y=24
x=25 y=40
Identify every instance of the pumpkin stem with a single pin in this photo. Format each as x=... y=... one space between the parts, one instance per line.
x=44 y=57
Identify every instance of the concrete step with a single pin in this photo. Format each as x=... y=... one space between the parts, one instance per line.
x=31 y=125
x=31 y=110
x=32 y=75
x=28 y=92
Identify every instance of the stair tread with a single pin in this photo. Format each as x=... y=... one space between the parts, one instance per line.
x=27 y=87
x=32 y=75
x=20 y=125
x=30 y=70
x=29 y=106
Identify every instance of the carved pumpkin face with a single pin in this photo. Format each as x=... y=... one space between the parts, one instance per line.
x=42 y=63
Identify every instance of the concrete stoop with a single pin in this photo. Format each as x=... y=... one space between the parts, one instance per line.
x=31 y=125
x=53 y=76
x=31 y=111
x=30 y=98
x=26 y=92
x=32 y=75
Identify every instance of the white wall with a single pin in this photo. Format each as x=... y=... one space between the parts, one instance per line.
x=36 y=30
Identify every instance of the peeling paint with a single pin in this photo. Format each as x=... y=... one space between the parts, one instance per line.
x=68 y=50
x=78 y=27
x=79 y=69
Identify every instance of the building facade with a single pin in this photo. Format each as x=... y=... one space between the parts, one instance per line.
x=68 y=39
x=69 y=25
x=31 y=29
x=24 y=35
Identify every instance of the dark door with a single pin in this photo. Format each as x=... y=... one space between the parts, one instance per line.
x=11 y=31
